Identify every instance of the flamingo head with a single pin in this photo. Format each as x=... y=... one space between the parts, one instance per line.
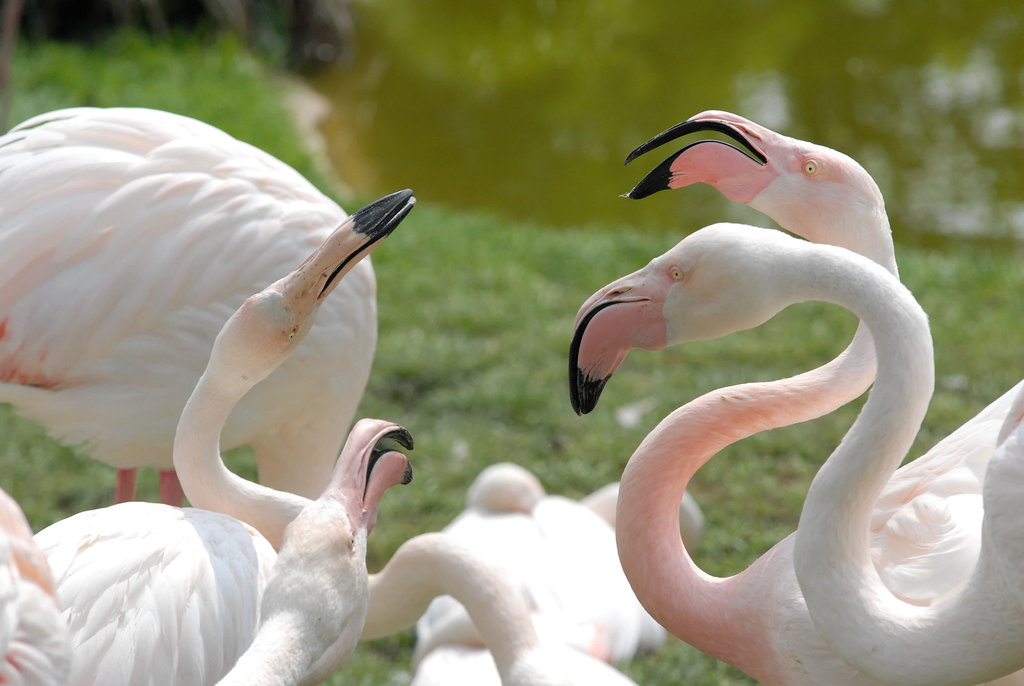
x=711 y=284
x=320 y=582
x=370 y=463
x=814 y=191
x=505 y=487
x=268 y=326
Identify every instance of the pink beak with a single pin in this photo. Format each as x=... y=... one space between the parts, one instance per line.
x=697 y=163
x=365 y=469
x=623 y=315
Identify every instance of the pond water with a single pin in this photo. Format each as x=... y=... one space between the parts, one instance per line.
x=528 y=108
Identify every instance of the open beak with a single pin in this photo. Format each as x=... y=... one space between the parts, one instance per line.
x=370 y=463
x=660 y=177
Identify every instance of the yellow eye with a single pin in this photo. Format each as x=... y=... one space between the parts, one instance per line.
x=677 y=273
x=811 y=167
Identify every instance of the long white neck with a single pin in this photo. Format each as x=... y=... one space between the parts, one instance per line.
x=971 y=637
x=277 y=656
x=314 y=605
x=207 y=482
x=434 y=564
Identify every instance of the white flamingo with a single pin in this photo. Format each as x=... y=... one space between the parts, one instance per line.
x=827 y=197
x=436 y=564
x=127 y=238
x=154 y=594
x=316 y=599
x=562 y=555
x=719 y=280
x=34 y=640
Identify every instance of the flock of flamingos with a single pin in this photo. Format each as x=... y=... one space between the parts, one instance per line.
x=895 y=575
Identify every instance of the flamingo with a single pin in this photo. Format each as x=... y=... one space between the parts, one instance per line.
x=436 y=563
x=721 y=279
x=562 y=555
x=163 y=595
x=127 y=238
x=827 y=197
x=316 y=599
x=33 y=637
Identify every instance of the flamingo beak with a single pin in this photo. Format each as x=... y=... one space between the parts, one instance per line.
x=370 y=463
x=370 y=225
x=662 y=176
x=623 y=315
x=384 y=447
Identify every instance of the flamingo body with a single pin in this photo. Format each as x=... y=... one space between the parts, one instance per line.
x=155 y=594
x=34 y=643
x=127 y=238
x=562 y=555
x=190 y=604
x=431 y=565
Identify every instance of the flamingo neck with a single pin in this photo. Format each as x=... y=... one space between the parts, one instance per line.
x=277 y=655
x=207 y=482
x=970 y=637
x=703 y=610
x=314 y=604
x=434 y=564
x=855 y=221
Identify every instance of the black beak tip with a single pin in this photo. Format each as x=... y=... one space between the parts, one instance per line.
x=401 y=436
x=407 y=475
x=380 y=217
x=584 y=392
x=656 y=180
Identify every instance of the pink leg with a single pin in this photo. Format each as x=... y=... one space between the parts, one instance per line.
x=125 y=490
x=170 y=489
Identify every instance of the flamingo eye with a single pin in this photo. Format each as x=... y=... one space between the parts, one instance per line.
x=677 y=273
x=811 y=167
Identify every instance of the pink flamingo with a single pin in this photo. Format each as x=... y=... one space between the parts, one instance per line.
x=718 y=280
x=33 y=638
x=167 y=595
x=127 y=238
x=827 y=197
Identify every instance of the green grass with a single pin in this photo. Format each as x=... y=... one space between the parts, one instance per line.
x=475 y=318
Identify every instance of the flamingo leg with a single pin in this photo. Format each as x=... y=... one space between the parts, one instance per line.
x=170 y=489
x=125 y=489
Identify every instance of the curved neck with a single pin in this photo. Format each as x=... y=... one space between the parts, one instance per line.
x=207 y=482
x=857 y=222
x=434 y=564
x=970 y=637
x=703 y=610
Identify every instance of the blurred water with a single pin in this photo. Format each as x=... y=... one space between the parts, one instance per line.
x=528 y=108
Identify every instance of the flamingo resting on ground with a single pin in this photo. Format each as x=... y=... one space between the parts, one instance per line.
x=154 y=594
x=127 y=238
x=562 y=555
x=827 y=197
x=434 y=564
x=718 y=280
x=34 y=643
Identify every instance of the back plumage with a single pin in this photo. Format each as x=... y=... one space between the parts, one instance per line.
x=127 y=237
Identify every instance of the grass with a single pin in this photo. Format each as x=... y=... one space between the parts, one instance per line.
x=475 y=317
